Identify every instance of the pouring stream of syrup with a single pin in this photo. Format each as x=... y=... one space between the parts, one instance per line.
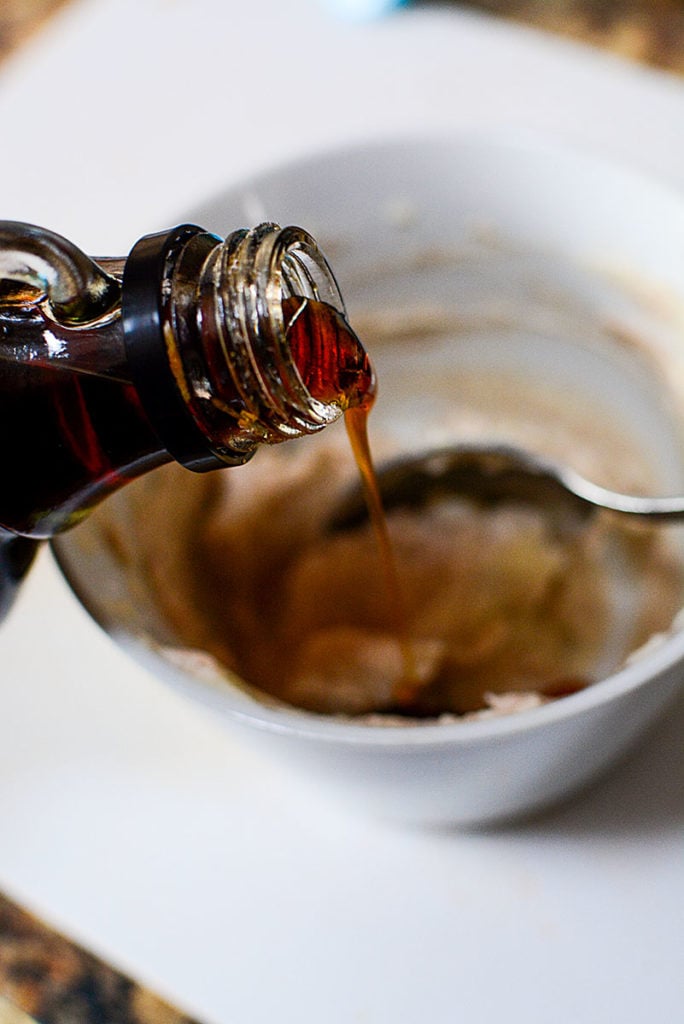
x=335 y=368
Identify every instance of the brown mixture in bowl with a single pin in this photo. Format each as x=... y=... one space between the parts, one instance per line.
x=501 y=612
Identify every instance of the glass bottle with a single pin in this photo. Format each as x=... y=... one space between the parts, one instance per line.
x=192 y=348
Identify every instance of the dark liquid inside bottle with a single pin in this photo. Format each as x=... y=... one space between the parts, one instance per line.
x=71 y=438
x=330 y=358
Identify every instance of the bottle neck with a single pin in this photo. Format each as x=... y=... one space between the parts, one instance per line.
x=209 y=327
x=257 y=284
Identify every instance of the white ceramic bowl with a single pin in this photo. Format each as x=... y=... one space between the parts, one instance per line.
x=545 y=266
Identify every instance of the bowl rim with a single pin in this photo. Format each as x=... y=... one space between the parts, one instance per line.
x=644 y=668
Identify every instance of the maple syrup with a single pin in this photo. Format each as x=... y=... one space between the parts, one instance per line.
x=330 y=358
x=356 y=422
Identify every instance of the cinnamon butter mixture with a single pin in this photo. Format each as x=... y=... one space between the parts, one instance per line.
x=501 y=613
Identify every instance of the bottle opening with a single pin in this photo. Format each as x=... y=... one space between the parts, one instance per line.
x=295 y=361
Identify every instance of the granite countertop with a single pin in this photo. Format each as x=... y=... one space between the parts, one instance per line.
x=45 y=977
x=42 y=974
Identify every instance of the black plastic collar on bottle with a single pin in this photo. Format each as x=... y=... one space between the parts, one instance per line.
x=145 y=271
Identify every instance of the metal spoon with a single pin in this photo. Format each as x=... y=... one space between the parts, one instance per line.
x=496 y=474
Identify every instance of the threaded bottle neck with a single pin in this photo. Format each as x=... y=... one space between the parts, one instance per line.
x=238 y=343
x=251 y=275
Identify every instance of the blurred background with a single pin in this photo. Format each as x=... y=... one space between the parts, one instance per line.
x=647 y=30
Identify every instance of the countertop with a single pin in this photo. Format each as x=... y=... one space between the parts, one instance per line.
x=45 y=975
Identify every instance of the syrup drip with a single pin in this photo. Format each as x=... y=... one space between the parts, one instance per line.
x=336 y=369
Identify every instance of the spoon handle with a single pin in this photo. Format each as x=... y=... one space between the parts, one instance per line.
x=660 y=509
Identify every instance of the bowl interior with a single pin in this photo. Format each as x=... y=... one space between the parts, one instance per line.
x=506 y=292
